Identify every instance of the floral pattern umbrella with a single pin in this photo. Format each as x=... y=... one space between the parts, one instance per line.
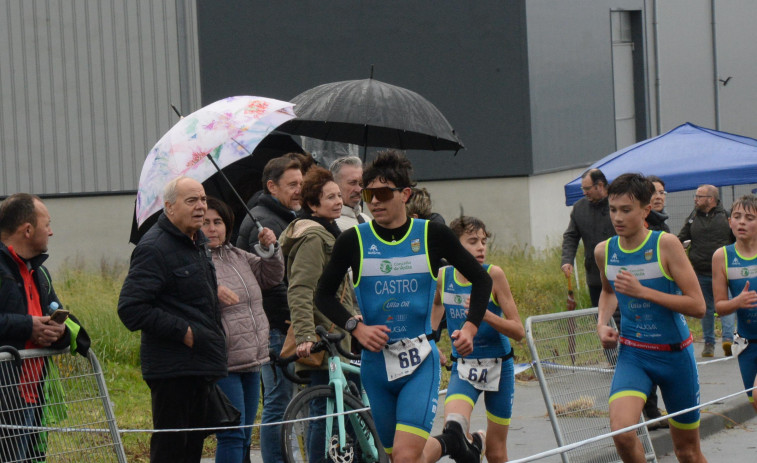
x=227 y=130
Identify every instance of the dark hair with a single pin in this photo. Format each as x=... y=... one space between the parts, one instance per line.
x=654 y=178
x=747 y=202
x=276 y=167
x=390 y=166
x=466 y=224
x=635 y=185
x=596 y=176
x=305 y=159
x=16 y=210
x=312 y=186
x=227 y=215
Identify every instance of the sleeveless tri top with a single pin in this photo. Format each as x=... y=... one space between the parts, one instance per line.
x=395 y=285
x=488 y=342
x=739 y=270
x=642 y=320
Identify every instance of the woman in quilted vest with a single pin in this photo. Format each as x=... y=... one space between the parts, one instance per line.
x=241 y=276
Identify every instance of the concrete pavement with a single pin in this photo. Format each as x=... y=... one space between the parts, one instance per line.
x=531 y=432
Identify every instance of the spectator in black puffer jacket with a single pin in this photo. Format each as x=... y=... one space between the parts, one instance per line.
x=171 y=295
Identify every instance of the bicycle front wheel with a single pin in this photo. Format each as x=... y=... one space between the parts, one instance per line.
x=308 y=439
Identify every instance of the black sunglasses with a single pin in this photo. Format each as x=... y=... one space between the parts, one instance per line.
x=383 y=193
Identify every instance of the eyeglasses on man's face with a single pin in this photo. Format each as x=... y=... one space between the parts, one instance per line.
x=382 y=194
x=587 y=188
x=661 y=192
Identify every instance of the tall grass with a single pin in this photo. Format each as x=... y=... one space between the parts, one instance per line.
x=91 y=294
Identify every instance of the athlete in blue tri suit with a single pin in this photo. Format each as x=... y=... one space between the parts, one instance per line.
x=394 y=262
x=734 y=267
x=489 y=369
x=648 y=276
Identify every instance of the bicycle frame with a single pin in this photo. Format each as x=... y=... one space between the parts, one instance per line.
x=338 y=381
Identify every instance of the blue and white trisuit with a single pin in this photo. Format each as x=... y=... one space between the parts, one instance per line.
x=739 y=270
x=395 y=287
x=489 y=368
x=656 y=345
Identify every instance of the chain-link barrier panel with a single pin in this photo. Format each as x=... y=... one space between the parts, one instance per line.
x=54 y=407
x=575 y=373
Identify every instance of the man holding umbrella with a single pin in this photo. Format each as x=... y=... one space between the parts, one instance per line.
x=170 y=294
x=277 y=206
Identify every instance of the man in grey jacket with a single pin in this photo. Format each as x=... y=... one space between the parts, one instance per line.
x=590 y=223
x=707 y=228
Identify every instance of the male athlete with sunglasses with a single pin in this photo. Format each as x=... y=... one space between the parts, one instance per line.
x=394 y=261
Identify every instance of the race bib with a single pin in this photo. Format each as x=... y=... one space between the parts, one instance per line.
x=404 y=356
x=483 y=374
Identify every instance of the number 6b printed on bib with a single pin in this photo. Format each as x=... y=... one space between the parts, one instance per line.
x=404 y=356
x=483 y=374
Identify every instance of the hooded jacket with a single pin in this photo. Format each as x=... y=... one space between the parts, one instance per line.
x=245 y=322
x=171 y=285
x=307 y=246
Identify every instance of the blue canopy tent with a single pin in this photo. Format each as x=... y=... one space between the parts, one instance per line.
x=685 y=157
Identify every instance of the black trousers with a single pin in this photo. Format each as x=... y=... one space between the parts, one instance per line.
x=178 y=403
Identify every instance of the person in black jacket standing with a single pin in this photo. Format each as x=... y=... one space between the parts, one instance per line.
x=171 y=294
x=25 y=297
x=590 y=223
x=707 y=229
x=277 y=206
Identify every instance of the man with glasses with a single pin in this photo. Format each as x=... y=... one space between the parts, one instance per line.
x=394 y=261
x=590 y=223
x=348 y=174
x=708 y=230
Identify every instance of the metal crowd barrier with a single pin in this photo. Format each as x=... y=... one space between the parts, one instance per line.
x=55 y=407
x=575 y=373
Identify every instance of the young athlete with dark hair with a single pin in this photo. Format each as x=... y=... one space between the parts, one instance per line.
x=647 y=274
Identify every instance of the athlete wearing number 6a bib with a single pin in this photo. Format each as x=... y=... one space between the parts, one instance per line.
x=394 y=262
x=489 y=369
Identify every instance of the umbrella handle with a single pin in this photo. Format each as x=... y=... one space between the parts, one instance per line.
x=264 y=253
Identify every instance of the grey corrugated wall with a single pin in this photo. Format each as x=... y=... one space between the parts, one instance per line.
x=85 y=89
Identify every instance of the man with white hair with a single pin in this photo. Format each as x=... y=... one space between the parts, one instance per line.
x=348 y=174
x=171 y=295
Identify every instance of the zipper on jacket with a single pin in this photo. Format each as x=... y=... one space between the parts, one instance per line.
x=247 y=290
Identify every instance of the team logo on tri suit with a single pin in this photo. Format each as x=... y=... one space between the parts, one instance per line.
x=415 y=245
x=614 y=258
x=374 y=250
x=385 y=266
x=648 y=254
x=745 y=272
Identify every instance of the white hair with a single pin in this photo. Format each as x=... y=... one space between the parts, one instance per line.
x=170 y=191
x=338 y=163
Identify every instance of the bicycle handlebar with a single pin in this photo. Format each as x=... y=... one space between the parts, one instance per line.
x=329 y=341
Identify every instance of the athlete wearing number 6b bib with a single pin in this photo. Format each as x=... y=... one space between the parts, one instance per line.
x=394 y=262
x=489 y=368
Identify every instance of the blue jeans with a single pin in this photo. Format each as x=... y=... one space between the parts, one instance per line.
x=243 y=389
x=277 y=395
x=708 y=322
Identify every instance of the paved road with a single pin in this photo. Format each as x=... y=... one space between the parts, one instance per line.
x=531 y=431
x=736 y=444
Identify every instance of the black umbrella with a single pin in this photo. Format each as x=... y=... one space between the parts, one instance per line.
x=245 y=175
x=371 y=113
